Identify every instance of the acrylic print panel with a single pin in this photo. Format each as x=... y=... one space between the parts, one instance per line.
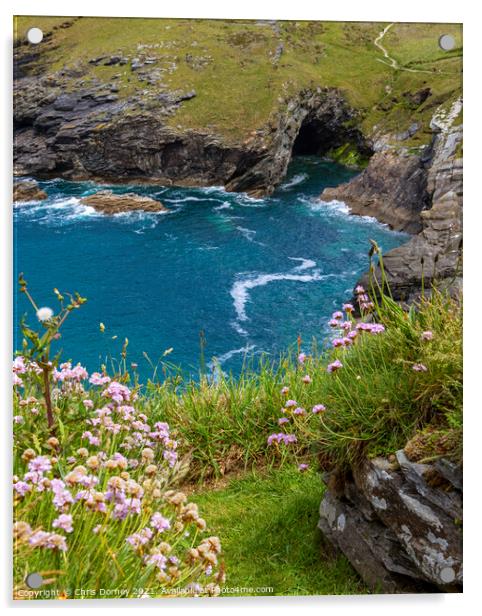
x=237 y=313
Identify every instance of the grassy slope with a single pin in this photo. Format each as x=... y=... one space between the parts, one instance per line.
x=268 y=527
x=239 y=87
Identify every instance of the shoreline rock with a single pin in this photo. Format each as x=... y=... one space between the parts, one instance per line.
x=28 y=190
x=107 y=202
x=392 y=189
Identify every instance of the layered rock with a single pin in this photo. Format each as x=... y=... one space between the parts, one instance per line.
x=107 y=202
x=418 y=194
x=393 y=189
x=399 y=524
x=28 y=190
x=92 y=134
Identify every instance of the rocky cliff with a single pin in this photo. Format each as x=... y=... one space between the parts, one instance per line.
x=399 y=523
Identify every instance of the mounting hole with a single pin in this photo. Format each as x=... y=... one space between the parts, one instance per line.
x=35 y=36
x=446 y=42
x=34 y=580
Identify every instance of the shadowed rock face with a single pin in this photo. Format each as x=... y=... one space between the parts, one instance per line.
x=107 y=202
x=400 y=532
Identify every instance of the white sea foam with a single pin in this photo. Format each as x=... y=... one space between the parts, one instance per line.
x=190 y=198
x=241 y=288
x=225 y=205
x=249 y=234
x=333 y=206
x=221 y=359
x=245 y=200
x=295 y=181
x=305 y=263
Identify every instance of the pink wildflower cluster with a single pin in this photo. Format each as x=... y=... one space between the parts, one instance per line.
x=366 y=305
x=23 y=366
x=66 y=373
x=281 y=437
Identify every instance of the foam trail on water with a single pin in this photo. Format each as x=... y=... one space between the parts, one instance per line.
x=334 y=205
x=297 y=179
x=305 y=263
x=241 y=288
x=221 y=359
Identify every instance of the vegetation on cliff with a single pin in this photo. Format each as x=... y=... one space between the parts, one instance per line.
x=243 y=73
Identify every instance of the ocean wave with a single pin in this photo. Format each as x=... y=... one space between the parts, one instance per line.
x=244 y=200
x=295 y=181
x=225 y=205
x=189 y=198
x=339 y=207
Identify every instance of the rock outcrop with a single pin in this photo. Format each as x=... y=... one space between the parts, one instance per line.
x=107 y=202
x=28 y=190
x=399 y=524
x=393 y=189
x=422 y=195
x=434 y=255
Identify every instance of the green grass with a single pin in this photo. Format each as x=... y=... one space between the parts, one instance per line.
x=268 y=522
x=239 y=88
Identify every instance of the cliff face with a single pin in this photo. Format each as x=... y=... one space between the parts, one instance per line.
x=399 y=524
x=434 y=254
x=91 y=135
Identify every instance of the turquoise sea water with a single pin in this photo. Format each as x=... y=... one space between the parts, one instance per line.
x=251 y=274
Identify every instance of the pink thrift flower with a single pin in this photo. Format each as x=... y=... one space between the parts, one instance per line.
x=334 y=366
x=318 y=408
x=419 y=368
x=299 y=411
x=338 y=315
x=283 y=420
x=333 y=323
x=159 y=522
x=285 y=391
x=64 y=521
x=348 y=308
x=306 y=379
x=17 y=380
x=98 y=379
x=39 y=464
x=301 y=358
x=303 y=467
x=290 y=403
x=88 y=404
x=428 y=335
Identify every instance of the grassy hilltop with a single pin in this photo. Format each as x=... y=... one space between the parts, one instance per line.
x=243 y=71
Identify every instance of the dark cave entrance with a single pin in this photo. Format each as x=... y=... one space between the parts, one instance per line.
x=314 y=138
x=321 y=135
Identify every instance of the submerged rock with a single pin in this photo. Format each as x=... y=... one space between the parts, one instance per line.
x=28 y=190
x=107 y=202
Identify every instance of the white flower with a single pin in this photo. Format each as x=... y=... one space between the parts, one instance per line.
x=44 y=314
